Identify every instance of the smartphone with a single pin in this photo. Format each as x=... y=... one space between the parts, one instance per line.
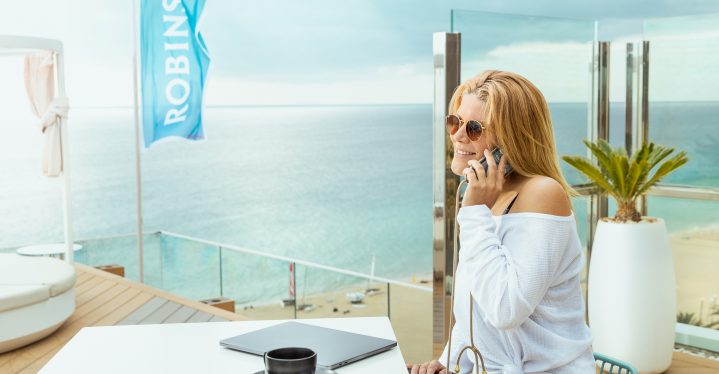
x=497 y=154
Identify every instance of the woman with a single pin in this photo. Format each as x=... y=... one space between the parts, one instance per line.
x=520 y=256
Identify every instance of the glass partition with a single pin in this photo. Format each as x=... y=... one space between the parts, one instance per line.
x=684 y=100
x=693 y=227
x=684 y=113
x=122 y=250
x=269 y=287
x=326 y=294
x=555 y=54
x=410 y=311
x=259 y=285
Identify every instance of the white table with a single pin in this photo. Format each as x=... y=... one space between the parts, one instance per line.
x=195 y=348
x=46 y=249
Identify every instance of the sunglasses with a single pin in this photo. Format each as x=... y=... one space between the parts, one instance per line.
x=473 y=128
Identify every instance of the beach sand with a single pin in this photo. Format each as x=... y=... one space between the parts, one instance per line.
x=696 y=265
x=410 y=313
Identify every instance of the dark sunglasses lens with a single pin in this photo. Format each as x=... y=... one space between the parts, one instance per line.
x=452 y=122
x=474 y=130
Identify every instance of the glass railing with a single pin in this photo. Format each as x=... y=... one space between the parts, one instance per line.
x=693 y=228
x=266 y=286
x=683 y=110
x=259 y=283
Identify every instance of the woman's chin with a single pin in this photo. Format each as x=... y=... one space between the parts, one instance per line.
x=458 y=166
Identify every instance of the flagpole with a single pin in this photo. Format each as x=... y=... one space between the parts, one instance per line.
x=138 y=176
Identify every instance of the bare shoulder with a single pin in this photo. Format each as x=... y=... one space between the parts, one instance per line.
x=541 y=194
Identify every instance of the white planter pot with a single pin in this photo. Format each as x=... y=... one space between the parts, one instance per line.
x=632 y=294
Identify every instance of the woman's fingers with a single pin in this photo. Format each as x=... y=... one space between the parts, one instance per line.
x=478 y=169
x=415 y=369
x=434 y=367
x=471 y=174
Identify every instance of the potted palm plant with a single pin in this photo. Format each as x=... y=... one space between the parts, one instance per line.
x=631 y=286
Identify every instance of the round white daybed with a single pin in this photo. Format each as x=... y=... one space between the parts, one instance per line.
x=36 y=296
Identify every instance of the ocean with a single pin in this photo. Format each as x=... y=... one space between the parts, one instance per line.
x=334 y=185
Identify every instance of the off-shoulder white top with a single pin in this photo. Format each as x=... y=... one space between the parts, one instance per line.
x=522 y=270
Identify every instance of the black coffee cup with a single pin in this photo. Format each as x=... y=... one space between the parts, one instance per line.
x=292 y=360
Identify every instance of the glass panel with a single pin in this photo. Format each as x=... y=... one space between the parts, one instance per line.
x=259 y=285
x=684 y=101
x=620 y=32
x=555 y=54
x=693 y=228
x=326 y=294
x=411 y=316
x=122 y=250
x=189 y=269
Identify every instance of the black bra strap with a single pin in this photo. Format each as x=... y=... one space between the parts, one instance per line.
x=510 y=204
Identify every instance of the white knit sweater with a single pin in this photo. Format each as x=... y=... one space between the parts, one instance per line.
x=523 y=272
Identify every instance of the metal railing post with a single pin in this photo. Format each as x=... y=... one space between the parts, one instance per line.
x=446 y=50
x=294 y=291
x=599 y=204
x=629 y=139
x=642 y=133
x=222 y=293
x=389 y=315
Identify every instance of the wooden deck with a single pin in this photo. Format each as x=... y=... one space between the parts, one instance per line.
x=683 y=363
x=104 y=299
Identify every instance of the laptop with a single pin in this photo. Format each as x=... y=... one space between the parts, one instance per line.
x=334 y=348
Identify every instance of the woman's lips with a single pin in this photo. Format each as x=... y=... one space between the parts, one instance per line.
x=464 y=153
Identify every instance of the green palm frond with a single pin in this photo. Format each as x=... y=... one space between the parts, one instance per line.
x=687 y=318
x=592 y=172
x=666 y=168
x=602 y=154
x=625 y=178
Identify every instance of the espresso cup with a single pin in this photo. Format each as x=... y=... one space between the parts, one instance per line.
x=293 y=360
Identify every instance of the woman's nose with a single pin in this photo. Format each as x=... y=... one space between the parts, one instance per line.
x=461 y=134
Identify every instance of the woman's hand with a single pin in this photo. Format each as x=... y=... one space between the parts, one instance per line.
x=484 y=189
x=431 y=367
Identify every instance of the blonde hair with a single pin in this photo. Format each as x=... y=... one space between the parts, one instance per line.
x=517 y=113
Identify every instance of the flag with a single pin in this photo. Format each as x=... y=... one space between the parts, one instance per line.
x=174 y=62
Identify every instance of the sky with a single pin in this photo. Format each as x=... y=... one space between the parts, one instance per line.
x=352 y=51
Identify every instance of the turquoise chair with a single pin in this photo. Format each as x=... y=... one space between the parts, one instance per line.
x=610 y=364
